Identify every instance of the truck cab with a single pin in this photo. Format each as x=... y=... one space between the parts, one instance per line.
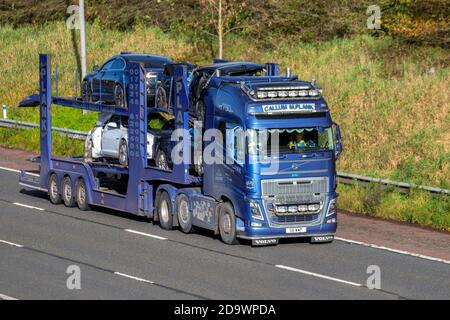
x=275 y=152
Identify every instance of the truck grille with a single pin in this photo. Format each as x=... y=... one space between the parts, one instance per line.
x=297 y=186
x=292 y=192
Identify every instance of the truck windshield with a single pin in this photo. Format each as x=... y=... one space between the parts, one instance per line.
x=268 y=141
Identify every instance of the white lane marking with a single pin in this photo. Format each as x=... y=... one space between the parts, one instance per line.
x=5 y=297
x=12 y=243
x=412 y=254
x=145 y=234
x=27 y=206
x=318 y=275
x=132 y=277
x=10 y=170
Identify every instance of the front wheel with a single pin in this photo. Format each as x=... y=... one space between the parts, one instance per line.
x=161 y=98
x=123 y=153
x=86 y=93
x=227 y=224
x=119 y=96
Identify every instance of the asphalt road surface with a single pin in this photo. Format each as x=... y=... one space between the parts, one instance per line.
x=125 y=257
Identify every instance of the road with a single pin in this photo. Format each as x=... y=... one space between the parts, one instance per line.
x=125 y=257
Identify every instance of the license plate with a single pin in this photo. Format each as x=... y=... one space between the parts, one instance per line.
x=296 y=230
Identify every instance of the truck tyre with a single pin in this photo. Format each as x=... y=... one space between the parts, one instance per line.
x=119 y=96
x=184 y=214
x=67 y=192
x=53 y=190
x=227 y=224
x=81 y=195
x=123 y=153
x=165 y=216
x=162 y=162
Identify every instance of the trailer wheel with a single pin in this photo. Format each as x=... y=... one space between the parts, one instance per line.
x=53 y=190
x=227 y=224
x=81 y=195
x=123 y=153
x=67 y=192
x=184 y=214
x=165 y=211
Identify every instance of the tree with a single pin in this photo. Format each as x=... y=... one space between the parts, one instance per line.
x=220 y=17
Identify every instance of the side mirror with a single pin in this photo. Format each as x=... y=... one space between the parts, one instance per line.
x=112 y=125
x=338 y=141
x=95 y=68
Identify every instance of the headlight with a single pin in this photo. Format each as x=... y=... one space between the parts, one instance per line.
x=255 y=210
x=331 y=208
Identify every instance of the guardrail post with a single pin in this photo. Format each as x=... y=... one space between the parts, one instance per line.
x=5 y=115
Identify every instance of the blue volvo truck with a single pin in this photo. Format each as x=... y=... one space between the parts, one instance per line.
x=277 y=178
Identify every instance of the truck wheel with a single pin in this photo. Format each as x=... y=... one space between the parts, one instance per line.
x=161 y=160
x=227 y=224
x=165 y=211
x=67 y=193
x=81 y=195
x=183 y=213
x=119 y=96
x=53 y=190
x=123 y=153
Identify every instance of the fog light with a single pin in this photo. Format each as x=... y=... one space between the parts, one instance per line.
x=256 y=224
x=333 y=220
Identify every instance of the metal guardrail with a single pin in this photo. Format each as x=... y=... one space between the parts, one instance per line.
x=74 y=134
x=342 y=177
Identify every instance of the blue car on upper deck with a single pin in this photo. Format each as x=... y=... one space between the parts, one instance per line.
x=109 y=82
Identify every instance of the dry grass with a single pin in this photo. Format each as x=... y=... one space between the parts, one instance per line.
x=391 y=100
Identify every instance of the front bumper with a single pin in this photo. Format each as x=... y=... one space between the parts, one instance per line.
x=255 y=233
